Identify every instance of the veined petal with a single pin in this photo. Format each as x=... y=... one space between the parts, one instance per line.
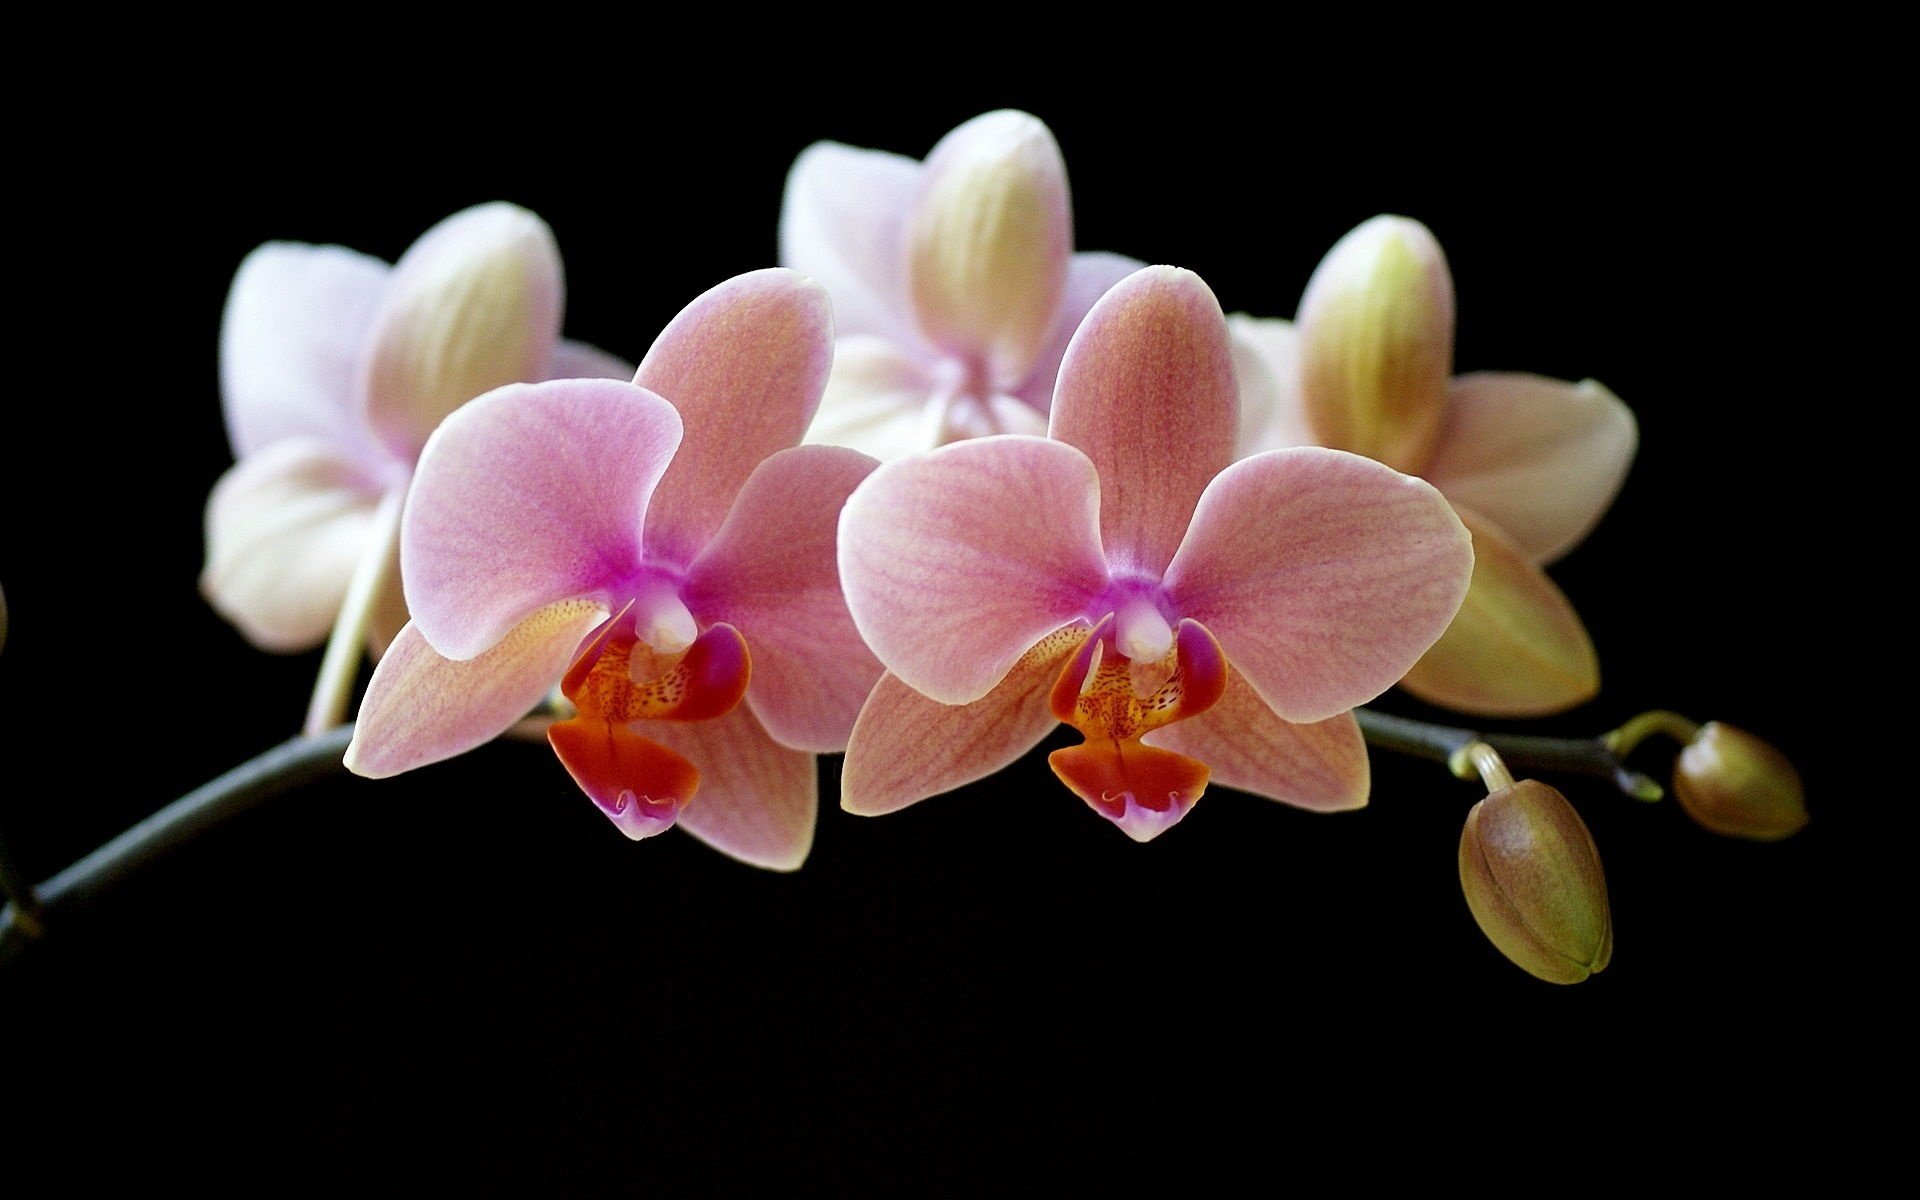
x=957 y=561
x=291 y=342
x=906 y=747
x=744 y=364
x=843 y=222
x=1376 y=343
x=1324 y=575
x=877 y=400
x=421 y=708
x=1147 y=392
x=988 y=243
x=530 y=494
x=772 y=573
x=474 y=304
x=1516 y=648
x=1089 y=276
x=286 y=526
x=758 y=800
x=578 y=360
x=1266 y=359
x=1321 y=766
x=1539 y=457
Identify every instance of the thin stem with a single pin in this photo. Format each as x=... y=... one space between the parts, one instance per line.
x=281 y=769
x=1522 y=753
x=1625 y=739
x=340 y=666
x=1483 y=760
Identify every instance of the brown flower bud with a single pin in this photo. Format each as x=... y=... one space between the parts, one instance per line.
x=1735 y=784
x=1532 y=877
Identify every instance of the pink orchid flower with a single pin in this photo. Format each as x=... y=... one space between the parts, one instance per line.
x=1193 y=617
x=334 y=370
x=665 y=553
x=1529 y=463
x=954 y=282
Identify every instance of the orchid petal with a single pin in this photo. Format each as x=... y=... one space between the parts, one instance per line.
x=1089 y=276
x=956 y=561
x=877 y=401
x=758 y=800
x=988 y=242
x=578 y=360
x=474 y=304
x=290 y=344
x=1376 y=343
x=421 y=708
x=906 y=747
x=528 y=495
x=286 y=526
x=1540 y=458
x=1266 y=359
x=1322 y=766
x=1147 y=392
x=1516 y=648
x=1324 y=575
x=771 y=572
x=843 y=222
x=744 y=365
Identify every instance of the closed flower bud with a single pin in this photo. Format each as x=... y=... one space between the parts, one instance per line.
x=1734 y=784
x=1532 y=877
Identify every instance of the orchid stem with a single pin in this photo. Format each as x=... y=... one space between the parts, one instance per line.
x=347 y=645
x=1623 y=740
x=1449 y=744
x=18 y=893
x=281 y=769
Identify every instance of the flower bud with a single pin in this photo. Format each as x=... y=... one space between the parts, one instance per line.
x=1735 y=784
x=1532 y=877
x=1376 y=343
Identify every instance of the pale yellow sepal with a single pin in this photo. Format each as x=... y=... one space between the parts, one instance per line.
x=1376 y=343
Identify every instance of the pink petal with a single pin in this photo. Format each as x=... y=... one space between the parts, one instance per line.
x=1320 y=766
x=771 y=573
x=1266 y=358
x=1324 y=575
x=1147 y=391
x=1089 y=277
x=906 y=747
x=286 y=527
x=291 y=342
x=988 y=243
x=473 y=305
x=1540 y=458
x=1516 y=648
x=955 y=562
x=530 y=494
x=744 y=364
x=843 y=222
x=757 y=800
x=421 y=708
x=878 y=400
x=1376 y=343
x=577 y=360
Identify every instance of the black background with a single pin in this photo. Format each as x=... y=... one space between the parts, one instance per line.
x=467 y=977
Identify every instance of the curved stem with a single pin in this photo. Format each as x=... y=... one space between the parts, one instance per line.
x=347 y=645
x=1638 y=729
x=281 y=769
x=1441 y=743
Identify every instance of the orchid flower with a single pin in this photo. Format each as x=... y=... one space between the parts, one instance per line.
x=1529 y=463
x=954 y=282
x=664 y=552
x=1193 y=617
x=334 y=370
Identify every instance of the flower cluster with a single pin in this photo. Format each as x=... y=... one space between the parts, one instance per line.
x=932 y=487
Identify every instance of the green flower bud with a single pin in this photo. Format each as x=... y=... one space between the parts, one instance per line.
x=1532 y=877
x=1735 y=784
